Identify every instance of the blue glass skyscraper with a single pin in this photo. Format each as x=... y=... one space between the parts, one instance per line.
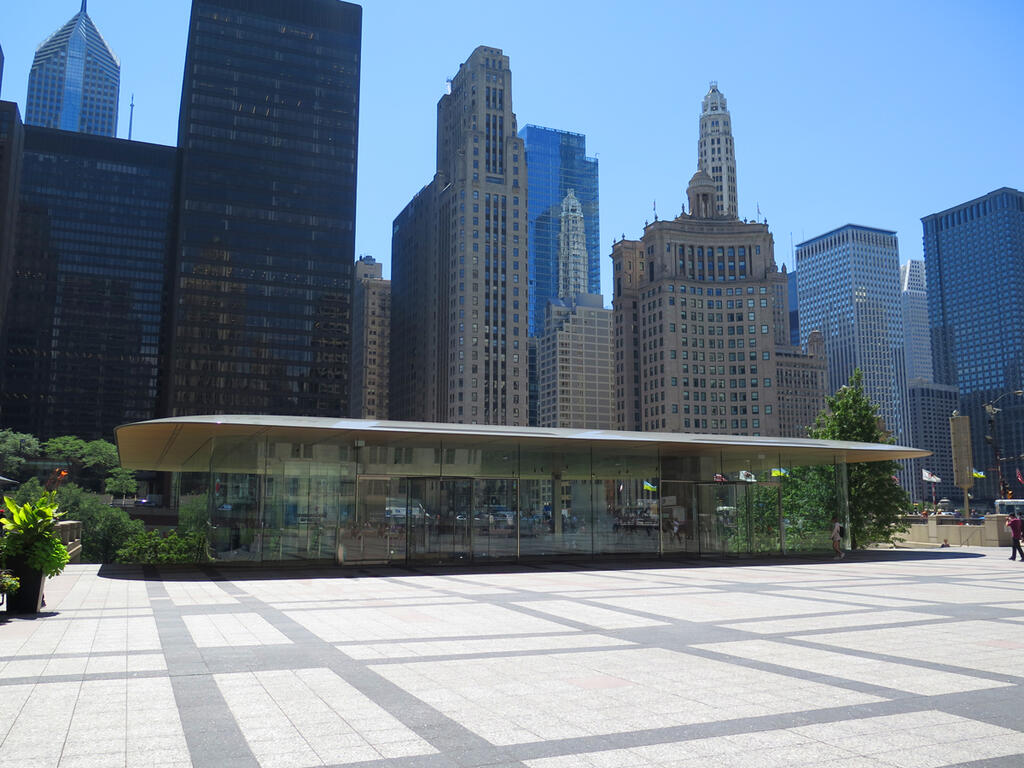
x=74 y=81
x=974 y=257
x=557 y=162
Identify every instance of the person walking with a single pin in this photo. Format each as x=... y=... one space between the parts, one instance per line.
x=1015 y=525
x=837 y=535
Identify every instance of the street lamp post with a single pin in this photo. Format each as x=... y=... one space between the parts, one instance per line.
x=991 y=410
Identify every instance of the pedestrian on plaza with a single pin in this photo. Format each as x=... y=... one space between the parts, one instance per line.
x=837 y=534
x=1014 y=524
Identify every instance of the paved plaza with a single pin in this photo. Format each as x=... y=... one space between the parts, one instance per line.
x=888 y=659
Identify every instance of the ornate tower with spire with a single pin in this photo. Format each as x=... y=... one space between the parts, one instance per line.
x=75 y=80
x=572 y=249
x=716 y=154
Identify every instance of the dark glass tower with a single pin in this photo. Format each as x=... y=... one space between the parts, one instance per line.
x=974 y=258
x=262 y=279
x=557 y=162
x=92 y=243
x=11 y=137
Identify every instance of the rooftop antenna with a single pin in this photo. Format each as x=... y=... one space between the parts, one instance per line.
x=131 y=109
x=83 y=5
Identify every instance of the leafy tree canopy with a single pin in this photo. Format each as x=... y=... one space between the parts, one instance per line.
x=121 y=482
x=876 y=500
x=15 y=447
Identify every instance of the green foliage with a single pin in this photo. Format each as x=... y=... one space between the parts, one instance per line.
x=68 y=449
x=15 y=447
x=104 y=529
x=153 y=549
x=9 y=583
x=193 y=513
x=121 y=482
x=29 y=532
x=876 y=501
x=30 y=489
x=101 y=455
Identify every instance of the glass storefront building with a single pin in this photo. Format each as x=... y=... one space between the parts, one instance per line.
x=272 y=489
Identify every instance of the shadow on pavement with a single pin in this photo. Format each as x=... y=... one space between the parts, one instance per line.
x=249 y=572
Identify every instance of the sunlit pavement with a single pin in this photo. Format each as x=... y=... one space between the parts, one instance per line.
x=883 y=659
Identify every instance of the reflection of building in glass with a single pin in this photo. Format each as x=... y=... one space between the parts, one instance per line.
x=848 y=283
x=557 y=162
x=75 y=80
x=459 y=263
x=85 y=306
x=974 y=254
x=371 y=343
x=361 y=492
x=261 y=297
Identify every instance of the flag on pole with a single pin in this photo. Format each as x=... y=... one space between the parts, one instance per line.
x=747 y=477
x=977 y=473
x=719 y=478
x=649 y=486
x=1020 y=478
x=780 y=472
x=931 y=477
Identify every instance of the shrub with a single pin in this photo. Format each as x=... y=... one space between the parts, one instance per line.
x=153 y=549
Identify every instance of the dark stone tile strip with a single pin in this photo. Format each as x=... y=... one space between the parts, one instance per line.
x=211 y=733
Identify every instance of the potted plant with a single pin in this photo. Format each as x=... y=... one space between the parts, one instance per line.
x=32 y=547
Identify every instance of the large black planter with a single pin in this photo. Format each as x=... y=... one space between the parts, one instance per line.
x=29 y=597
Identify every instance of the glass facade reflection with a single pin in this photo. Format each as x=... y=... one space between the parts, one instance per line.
x=260 y=318
x=557 y=162
x=433 y=495
x=83 y=315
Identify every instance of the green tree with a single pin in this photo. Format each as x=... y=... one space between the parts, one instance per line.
x=87 y=462
x=100 y=455
x=68 y=450
x=121 y=482
x=876 y=500
x=15 y=447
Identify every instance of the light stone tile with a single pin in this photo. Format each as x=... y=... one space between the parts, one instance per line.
x=553 y=688
x=471 y=647
x=924 y=682
x=823 y=745
x=834 y=595
x=718 y=607
x=310 y=715
x=581 y=613
x=233 y=630
x=203 y=592
x=983 y=646
x=420 y=622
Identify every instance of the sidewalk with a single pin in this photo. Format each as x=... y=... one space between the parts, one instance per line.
x=888 y=659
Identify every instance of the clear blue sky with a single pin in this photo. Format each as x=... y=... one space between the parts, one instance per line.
x=875 y=113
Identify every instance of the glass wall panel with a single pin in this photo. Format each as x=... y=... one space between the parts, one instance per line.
x=376 y=531
x=495 y=512
x=235 y=513
x=679 y=518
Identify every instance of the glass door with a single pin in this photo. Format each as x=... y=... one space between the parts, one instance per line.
x=495 y=514
x=444 y=533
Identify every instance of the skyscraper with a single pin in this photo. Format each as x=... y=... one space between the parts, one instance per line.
x=572 y=249
x=848 y=287
x=94 y=233
x=974 y=254
x=371 y=342
x=701 y=316
x=575 y=365
x=75 y=80
x=261 y=295
x=557 y=162
x=716 y=154
x=917 y=341
x=459 y=263
x=12 y=133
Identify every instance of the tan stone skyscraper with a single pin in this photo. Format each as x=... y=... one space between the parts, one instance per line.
x=716 y=154
x=459 y=263
x=371 y=326
x=701 y=322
